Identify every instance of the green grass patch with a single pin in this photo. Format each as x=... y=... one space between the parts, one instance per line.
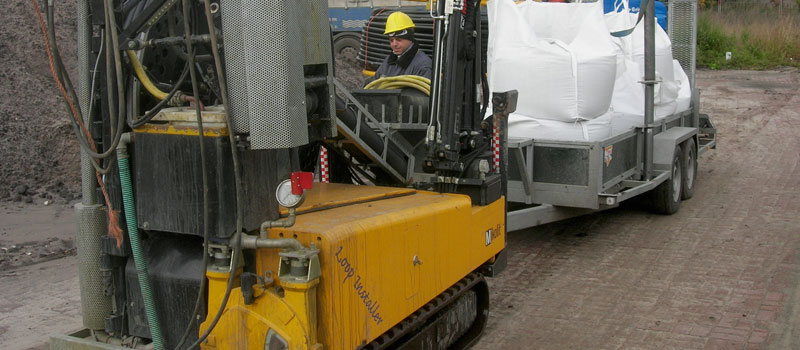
x=757 y=38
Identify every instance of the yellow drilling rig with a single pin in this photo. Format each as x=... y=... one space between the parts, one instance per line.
x=201 y=224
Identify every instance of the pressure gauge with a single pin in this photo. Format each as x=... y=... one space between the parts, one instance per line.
x=285 y=196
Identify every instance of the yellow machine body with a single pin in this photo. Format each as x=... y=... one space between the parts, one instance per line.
x=383 y=254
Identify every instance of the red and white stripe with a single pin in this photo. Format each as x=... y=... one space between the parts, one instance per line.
x=496 y=145
x=324 y=174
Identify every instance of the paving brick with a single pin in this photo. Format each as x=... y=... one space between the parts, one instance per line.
x=722 y=344
x=766 y=315
x=758 y=337
x=682 y=329
x=727 y=337
x=700 y=331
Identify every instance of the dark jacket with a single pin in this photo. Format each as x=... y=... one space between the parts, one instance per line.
x=411 y=62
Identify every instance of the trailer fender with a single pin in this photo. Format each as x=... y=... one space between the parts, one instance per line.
x=664 y=145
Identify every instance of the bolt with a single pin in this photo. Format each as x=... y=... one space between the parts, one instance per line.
x=132 y=44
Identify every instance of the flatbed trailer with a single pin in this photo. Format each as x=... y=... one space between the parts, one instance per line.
x=555 y=179
x=552 y=180
x=596 y=175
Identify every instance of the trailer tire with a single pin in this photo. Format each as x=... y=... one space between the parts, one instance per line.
x=343 y=42
x=667 y=196
x=689 y=160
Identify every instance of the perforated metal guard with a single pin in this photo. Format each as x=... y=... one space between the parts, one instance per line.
x=235 y=63
x=91 y=225
x=267 y=42
x=317 y=46
x=682 y=16
x=88 y=183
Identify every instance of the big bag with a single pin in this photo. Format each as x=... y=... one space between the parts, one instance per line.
x=559 y=57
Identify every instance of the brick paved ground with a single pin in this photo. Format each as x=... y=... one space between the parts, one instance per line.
x=720 y=274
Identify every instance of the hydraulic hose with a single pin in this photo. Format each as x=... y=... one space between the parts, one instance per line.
x=136 y=248
x=206 y=220
x=402 y=81
x=144 y=79
x=236 y=241
x=62 y=78
x=135 y=123
x=394 y=156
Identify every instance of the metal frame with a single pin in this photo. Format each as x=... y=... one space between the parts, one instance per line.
x=365 y=119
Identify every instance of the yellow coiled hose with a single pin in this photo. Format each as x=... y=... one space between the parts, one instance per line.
x=402 y=81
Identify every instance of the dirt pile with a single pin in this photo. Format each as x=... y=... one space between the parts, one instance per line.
x=38 y=151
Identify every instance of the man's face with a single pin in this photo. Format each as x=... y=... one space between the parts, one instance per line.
x=399 y=45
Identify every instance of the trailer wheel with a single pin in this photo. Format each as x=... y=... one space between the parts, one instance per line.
x=689 y=159
x=667 y=196
x=346 y=44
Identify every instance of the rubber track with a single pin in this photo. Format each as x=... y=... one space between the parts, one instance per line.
x=422 y=315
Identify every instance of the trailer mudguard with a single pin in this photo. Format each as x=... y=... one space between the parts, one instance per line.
x=664 y=145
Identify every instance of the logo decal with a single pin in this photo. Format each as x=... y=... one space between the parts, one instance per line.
x=607 y=154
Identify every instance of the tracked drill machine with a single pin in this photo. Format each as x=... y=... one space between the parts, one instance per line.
x=201 y=225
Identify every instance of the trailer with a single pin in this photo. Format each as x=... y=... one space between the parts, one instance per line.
x=597 y=175
x=551 y=180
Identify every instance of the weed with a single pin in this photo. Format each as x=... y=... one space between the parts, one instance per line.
x=759 y=37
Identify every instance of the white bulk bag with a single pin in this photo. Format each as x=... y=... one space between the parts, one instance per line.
x=684 y=100
x=617 y=21
x=628 y=97
x=524 y=127
x=663 y=51
x=558 y=56
x=667 y=90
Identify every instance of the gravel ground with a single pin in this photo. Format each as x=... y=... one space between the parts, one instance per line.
x=39 y=152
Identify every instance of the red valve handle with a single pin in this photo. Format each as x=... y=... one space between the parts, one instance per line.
x=301 y=181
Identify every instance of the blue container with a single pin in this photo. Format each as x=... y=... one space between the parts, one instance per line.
x=661 y=10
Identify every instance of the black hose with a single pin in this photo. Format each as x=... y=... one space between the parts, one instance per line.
x=134 y=122
x=115 y=118
x=485 y=95
x=112 y=19
x=237 y=239
x=63 y=78
x=201 y=138
x=228 y=123
x=394 y=156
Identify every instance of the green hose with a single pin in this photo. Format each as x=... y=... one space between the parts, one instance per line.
x=138 y=256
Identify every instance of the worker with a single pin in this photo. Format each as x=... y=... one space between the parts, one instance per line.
x=406 y=57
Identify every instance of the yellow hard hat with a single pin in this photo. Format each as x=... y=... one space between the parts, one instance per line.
x=398 y=21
